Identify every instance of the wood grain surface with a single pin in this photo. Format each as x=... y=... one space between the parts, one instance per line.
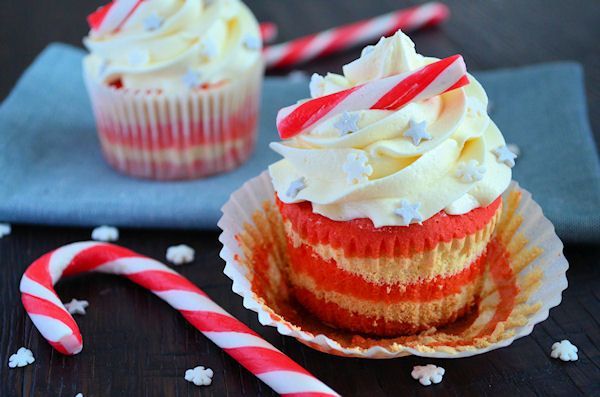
x=136 y=345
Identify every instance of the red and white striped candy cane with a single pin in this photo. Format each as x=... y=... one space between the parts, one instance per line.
x=268 y=31
x=386 y=94
x=53 y=321
x=366 y=31
x=112 y=16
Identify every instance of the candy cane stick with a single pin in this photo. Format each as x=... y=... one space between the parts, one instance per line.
x=337 y=39
x=53 y=321
x=387 y=94
x=112 y=16
x=268 y=31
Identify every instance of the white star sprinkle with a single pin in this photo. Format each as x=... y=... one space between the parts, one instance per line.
x=428 y=374
x=139 y=57
x=347 y=123
x=316 y=85
x=295 y=187
x=564 y=350
x=208 y=48
x=105 y=233
x=252 y=42
x=357 y=168
x=470 y=171
x=153 y=22
x=199 y=376
x=504 y=155
x=21 y=358
x=5 y=229
x=191 y=78
x=417 y=131
x=180 y=254
x=408 y=212
x=77 y=306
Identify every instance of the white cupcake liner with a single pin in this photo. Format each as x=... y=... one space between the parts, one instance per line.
x=523 y=229
x=192 y=134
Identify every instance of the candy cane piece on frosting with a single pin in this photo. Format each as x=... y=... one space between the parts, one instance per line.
x=112 y=16
x=54 y=322
x=389 y=93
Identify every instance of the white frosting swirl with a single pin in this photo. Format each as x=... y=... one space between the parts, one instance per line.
x=164 y=41
x=397 y=171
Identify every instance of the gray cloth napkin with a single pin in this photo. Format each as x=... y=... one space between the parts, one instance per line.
x=52 y=171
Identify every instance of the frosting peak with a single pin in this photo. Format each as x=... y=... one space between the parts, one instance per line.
x=431 y=155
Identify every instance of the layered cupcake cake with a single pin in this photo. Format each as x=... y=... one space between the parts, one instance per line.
x=389 y=189
x=175 y=85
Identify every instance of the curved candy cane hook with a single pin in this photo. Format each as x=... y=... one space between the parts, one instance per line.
x=55 y=323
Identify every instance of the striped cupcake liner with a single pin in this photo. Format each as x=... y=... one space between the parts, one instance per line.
x=524 y=278
x=178 y=136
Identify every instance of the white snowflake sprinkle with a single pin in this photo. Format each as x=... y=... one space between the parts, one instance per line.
x=347 y=123
x=180 y=254
x=153 y=22
x=295 y=187
x=504 y=155
x=208 y=48
x=5 y=229
x=191 y=78
x=564 y=350
x=199 y=376
x=21 y=358
x=470 y=171
x=105 y=233
x=316 y=85
x=417 y=132
x=428 y=374
x=252 y=42
x=357 y=168
x=139 y=58
x=408 y=212
x=76 y=306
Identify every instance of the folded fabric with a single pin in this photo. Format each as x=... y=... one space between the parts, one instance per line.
x=52 y=171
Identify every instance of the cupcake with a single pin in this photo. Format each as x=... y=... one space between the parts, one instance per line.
x=174 y=85
x=388 y=209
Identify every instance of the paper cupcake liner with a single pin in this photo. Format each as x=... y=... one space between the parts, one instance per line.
x=154 y=135
x=525 y=276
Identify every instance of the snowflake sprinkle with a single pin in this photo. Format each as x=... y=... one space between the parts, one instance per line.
x=5 y=229
x=199 y=376
x=180 y=254
x=252 y=43
x=417 y=131
x=504 y=155
x=295 y=187
x=76 y=306
x=408 y=212
x=191 y=79
x=21 y=358
x=347 y=123
x=357 y=168
x=153 y=22
x=105 y=233
x=564 y=350
x=428 y=374
x=470 y=171
x=139 y=58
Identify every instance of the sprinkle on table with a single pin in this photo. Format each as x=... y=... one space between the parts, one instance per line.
x=76 y=306
x=21 y=358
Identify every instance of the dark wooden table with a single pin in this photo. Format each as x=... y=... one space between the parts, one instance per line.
x=135 y=345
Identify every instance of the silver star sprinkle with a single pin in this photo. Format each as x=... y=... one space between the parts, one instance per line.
x=295 y=187
x=417 y=131
x=76 y=306
x=191 y=78
x=139 y=57
x=252 y=42
x=153 y=22
x=347 y=123
x=357 y=168
x=504 y=155
x=408 y=212
x=470 y=171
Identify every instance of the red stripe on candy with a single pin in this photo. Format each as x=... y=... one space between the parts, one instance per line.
x=260 y=360
x=95 y=19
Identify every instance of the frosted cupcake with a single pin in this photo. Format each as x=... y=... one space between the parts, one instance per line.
x=388 y=208
x=175 y=85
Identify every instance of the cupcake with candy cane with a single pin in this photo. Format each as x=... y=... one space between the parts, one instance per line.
x=390 y=189
x=174 y=85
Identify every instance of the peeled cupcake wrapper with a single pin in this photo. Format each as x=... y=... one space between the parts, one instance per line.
x=178 y=136
x=526 y=255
